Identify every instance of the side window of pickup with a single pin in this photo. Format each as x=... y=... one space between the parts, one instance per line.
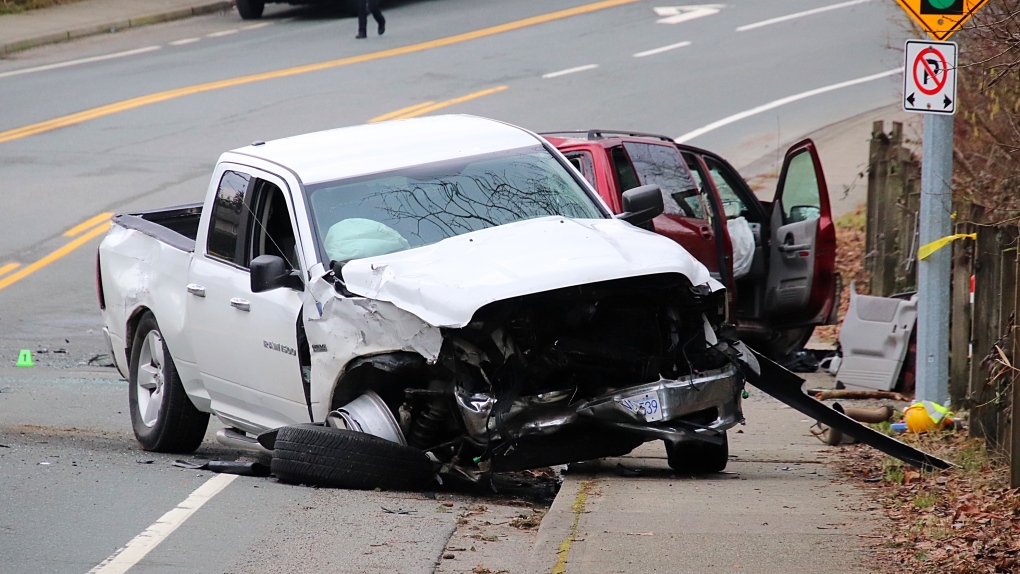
x=227 y=218
x=625 y=175
x=661 y=165
x=271 y=230
x=581 y=160
x=733 y=206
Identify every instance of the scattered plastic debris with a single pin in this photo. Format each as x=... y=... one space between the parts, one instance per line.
x=241 y=468
x=626 y=471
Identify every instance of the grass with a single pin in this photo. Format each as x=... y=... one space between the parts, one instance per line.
x=892 y=470
x=17 y=6
x=925 y=500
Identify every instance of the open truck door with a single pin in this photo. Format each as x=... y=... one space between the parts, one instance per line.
x=801 y=282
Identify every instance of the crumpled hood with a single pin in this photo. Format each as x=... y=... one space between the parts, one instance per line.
x=446 y=282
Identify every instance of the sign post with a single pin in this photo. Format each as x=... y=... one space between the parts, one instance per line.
x=929 y=78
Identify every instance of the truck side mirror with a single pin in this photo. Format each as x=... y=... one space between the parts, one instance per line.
x=270 y=272
x=641 y=205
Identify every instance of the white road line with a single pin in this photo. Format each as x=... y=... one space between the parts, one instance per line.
x=782 y=102
x=801 y=14
x=185 y=41
x=122 y=560
x=222 y=33
x=81 y=61
x=662 y=49
x=570 y=71
x=256 y=26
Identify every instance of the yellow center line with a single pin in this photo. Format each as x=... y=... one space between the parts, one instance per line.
x=399 y=112
x=101 y=218
x=54 y=256
x=157 y=97
x=8 y=267
x=433 y=107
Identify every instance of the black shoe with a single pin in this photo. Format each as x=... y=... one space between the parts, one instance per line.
x=382 y=27
x=361 y=36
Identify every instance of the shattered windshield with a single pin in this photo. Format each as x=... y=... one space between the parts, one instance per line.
x=423 y=204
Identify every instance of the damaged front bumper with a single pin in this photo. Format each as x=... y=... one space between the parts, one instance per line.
x=700 y=406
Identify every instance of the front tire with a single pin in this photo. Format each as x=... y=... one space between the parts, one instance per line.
x=342 y=458
x=782 y=344
x=162 y=416
x=250 y=9
x=698 y=457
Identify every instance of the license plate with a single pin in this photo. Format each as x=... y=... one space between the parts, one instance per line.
x=644 y=405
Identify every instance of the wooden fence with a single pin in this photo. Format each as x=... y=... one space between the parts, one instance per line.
x=894 y=192
x=984 y=346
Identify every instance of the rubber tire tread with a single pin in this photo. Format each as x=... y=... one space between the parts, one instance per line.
x=698 y=457
x=180 y=427
x=341 y=458
x=250 y=9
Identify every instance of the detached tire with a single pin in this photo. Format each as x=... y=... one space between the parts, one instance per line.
x=698 y=457
x=163 y=417
x=250 y=9
x=341 y=458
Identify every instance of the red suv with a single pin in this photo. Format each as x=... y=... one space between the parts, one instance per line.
x=777 y=259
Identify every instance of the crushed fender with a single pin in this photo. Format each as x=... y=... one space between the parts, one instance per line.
x=788 y=388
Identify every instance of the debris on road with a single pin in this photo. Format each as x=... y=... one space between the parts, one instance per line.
x=789 y=388
x=824 y=394
x=241 y=468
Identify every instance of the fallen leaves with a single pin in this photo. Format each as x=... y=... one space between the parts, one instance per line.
x=958 y=521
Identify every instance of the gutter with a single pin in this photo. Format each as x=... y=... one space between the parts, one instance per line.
x=114 y=26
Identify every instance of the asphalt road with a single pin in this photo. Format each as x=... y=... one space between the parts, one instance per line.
x=544 y=70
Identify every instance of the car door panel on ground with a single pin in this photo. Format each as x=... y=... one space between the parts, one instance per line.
x=259 y=388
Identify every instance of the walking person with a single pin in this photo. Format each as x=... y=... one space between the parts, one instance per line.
x=364 y=7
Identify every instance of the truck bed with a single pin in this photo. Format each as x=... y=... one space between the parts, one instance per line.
x=175 y=226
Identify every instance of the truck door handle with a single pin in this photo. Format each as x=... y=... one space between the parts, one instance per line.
x=706 y=232
x=798 y=247
x=242 y=304
x=196 y=289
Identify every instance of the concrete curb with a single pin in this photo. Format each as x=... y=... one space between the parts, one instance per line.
x=559 y=526
x=209 y=8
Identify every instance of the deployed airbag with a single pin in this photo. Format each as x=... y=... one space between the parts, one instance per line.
x=356 y=238
x=742 y=239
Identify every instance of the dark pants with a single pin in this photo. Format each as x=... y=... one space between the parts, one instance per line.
x=364 y=7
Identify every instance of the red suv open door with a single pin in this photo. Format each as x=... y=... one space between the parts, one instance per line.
x=801 y=279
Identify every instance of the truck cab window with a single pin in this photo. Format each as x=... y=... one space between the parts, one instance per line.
x=582 y=162
x=228 y=215
x=624 y=170
x=661 y=165
x=271 y=230
x=733 y=206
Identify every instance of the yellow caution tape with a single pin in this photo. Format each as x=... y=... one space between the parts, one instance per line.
x=926 y=250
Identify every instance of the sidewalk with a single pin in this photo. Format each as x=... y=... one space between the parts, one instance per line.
x=778 y=508
x=89 y=17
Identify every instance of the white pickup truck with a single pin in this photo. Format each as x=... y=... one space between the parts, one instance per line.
x=380 y=303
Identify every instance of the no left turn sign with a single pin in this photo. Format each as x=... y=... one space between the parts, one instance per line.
x=929 y=77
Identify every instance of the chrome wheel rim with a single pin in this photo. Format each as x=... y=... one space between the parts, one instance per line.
x=151 y=376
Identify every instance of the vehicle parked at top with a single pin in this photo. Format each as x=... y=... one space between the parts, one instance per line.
x=252 y=9
x=442 y=293
x=777 y=258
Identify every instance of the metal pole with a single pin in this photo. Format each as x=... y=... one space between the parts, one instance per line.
x=933 y=272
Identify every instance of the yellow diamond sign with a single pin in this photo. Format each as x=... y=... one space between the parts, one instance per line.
x=941 y=18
